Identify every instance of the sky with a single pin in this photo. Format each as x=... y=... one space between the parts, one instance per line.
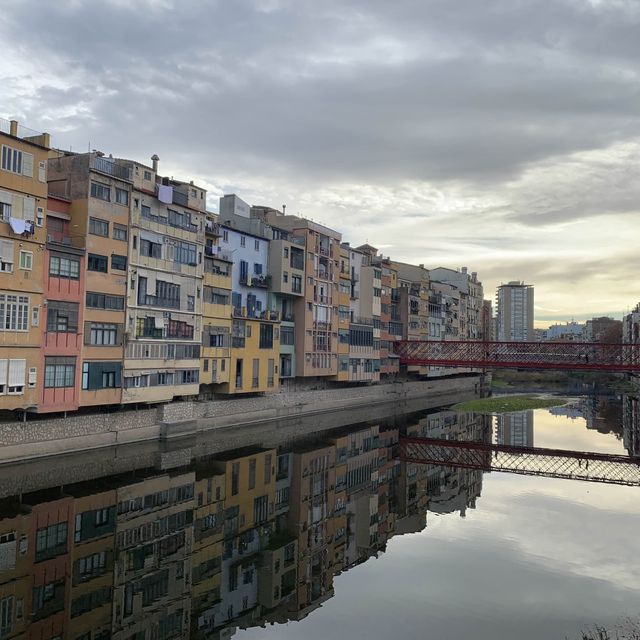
x=501 y=135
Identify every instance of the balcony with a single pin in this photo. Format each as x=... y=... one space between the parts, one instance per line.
x=288 y=317
x=58 y=237
x=212 y=228
x=59 y=189
x=156 y=301
x=268 y=315
x=110 y=168
x=217 y=253
x=321 y=299
x=362 y=320
x=255 y=280
x=322 y=250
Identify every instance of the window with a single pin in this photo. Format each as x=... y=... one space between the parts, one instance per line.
x=103 y=301
x=235 y=478
x=5 y=210
x=216 y=340
x=101 y=191
x=260 y=509
x=26 y=260
x=64 y=267
x=6 y=615
x=285 y=276
x=97 y=263
x=225 y=235
x=6 y=256
x=122 y=196
x=99 y=227
x=120 y=232
x=17 y=161
x=266 y=336
x=252 y=473
x=103 y=334
x=287 y=336
x=256 y=245
x=14 y=312
x=147 y=175
x=119 y=262
x=296 y=284
x=242 y=241
x=59 y=372
x=101 y=375
x=189 y=376
x=39 y=217
x=62 y=317
x=51 y=541
x=150 y=249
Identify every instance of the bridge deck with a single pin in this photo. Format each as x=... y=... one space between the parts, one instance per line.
x=537 y=461
x=587 y=356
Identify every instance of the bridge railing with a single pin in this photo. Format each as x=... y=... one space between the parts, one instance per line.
x=533 y=355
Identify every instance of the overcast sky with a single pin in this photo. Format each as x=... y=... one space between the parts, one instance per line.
x=503 y=135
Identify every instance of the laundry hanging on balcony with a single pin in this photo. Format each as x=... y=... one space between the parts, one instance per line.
x=19 y=226
x=165 y=193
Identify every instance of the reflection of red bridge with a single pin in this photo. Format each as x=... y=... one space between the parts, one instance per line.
x=592 y=356
x=534 y=461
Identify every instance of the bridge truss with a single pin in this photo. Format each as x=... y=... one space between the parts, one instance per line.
x=589 y=356
x=534 y=461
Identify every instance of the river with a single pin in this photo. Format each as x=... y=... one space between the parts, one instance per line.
x=335 y=537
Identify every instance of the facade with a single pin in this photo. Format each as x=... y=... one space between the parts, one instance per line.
x=164 y=292
x=64 y=293
x=597 y=329
x=99 y=191
x=23 y=201
x=389 y=363
x=514 y=312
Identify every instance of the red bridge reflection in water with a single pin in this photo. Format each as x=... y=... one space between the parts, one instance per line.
x=530 y=461
x=590 y=356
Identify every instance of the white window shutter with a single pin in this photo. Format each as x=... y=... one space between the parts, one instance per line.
x=17 y=370
x=3 y=372
x=35 y=316
x=27 y=164
x=29 y=208
x=17 y=206
x=6 y=250
x=6 y=197
x=42 y=171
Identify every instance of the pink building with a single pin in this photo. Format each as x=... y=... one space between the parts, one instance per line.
x=62 y=328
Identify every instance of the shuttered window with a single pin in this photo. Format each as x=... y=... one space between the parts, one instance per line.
x=17 y=373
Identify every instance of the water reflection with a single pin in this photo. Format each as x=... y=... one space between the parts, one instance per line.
x=250 y=537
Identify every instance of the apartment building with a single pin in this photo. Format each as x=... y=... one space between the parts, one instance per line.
x=164 y=293
x=514 y=312
x=471 y=299
x=413 y=304
x=99 y=191
x=23 y=201
x=389 y=363
x=64 y=292
x=316 y=325
x=344 y=312
x=216 y=309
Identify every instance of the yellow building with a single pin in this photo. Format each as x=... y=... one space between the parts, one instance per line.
x=100 y=193
x=23 y=201
x=208 y=537
x=215 y=364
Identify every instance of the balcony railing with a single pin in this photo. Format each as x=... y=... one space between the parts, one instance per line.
x=254 y=280
x=59 y=189
x=321 y=299
x=109 y=167
x=288 y=317
x=362 y=320
x=268 y=315
x=212 y=228
x=323 y=251
x=156 y=301
x=297 y=263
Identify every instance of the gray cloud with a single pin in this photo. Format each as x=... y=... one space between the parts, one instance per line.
x=430 y=126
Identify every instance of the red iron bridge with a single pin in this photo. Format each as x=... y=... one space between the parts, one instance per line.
x=530 y=461
x=589 y=356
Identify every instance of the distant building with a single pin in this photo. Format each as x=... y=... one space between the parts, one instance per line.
x=515 y=429
x=568 y=331
x=514 y=315
x=596 y=328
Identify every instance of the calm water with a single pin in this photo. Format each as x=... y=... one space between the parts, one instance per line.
x=335 y=538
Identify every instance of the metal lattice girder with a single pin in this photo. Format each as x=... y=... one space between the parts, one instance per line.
x=590 y=356
x=535 y=461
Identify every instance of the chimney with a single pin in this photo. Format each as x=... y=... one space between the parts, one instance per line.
x=154 y=160
x=13 y=128
x=464 y=269
x=284 y=209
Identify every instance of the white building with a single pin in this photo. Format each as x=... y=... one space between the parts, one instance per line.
x=514 y=312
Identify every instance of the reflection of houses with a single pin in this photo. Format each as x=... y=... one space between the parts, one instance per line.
x=631 y=425
x=515 y=429
x=154 y=535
